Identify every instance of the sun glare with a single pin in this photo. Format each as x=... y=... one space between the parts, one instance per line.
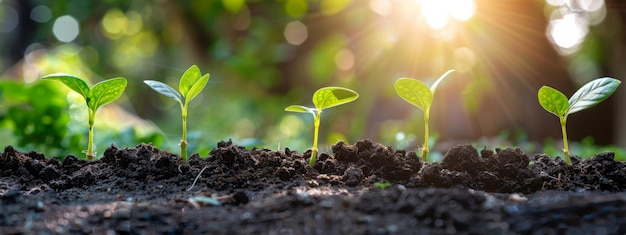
x=438 y=13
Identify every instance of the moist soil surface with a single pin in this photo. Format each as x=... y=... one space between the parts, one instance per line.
x=143 y=190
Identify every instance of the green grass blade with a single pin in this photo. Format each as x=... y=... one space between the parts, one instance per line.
x=332 y=96
x=415 y=92
x=592 y=93
x=553 y=101
x=106 y=92
x=164 y=89
x=73 y=82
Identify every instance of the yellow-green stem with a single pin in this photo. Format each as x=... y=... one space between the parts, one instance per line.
x=183 y=142
x=425 y=147
x=90 y=154
x=315 y=136
x=568 y=160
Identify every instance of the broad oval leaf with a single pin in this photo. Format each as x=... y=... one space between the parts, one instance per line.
x=592 y=93
x=415 y=92
x=164 y=89
x=301 y=109
x=332 y=96
x=71 y=81
x=189 y=78
x=106 y=92
x=434 y=86
x=553 y=101
x=197 y=87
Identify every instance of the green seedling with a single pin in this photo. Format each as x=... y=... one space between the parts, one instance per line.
x=323 y=98
x=100 y=94
x=586 y=97
x=419 y=94
x=191 y=84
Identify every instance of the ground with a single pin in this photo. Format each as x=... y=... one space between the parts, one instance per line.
x=233 y=190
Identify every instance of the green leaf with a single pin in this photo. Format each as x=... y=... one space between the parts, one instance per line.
x=301 y=109
x=197 y=87
x=415 y=92
x=189 y=78
x=592 y=93
x=553 y=101
x=434 y=86
x=332 y=96
x=106 y=92
x=164 y=89
x=73 y=82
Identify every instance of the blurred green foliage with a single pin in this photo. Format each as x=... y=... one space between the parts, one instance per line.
x=37 y=117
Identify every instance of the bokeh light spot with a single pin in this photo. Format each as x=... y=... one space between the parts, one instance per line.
x=134 y=22
x=114 y=24
x=41 y=14
x=437 y=13
x=9 y=19
x=344 y=59
x=462 y=10
x=296 y=33
x=434 y=11
x=590 y=5
x=65 y=28
x=567 y=32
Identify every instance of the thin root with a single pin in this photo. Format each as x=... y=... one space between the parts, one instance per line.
x=198 y=176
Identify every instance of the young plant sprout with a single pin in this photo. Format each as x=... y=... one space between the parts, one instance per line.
x=191 y=84
x=100 y=94
x=586 y=97
x=419 y=94
x=323 y=98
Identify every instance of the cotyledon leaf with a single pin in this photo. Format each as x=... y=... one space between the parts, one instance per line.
x=332 y=96
x=592 y=93
x=72 y=82
x=164 y=89
x=415 y=92
x=553 y=101
x=106 y=92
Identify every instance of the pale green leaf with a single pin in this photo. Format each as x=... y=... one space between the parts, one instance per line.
x=197 y=87
x=73 y=82
x=106 y=92
x=415 y=92
x=301 y=109
x=189 y=78
x=164 y=89
x=592 y=93
x=332 y=96
x=434 y=86
x=553 y=101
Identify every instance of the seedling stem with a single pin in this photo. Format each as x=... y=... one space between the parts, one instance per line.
x=568 y=160
x=425 y=149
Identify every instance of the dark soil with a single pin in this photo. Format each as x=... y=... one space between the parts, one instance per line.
x=144 y=190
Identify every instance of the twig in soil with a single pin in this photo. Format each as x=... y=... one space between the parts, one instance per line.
x=196 y=179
